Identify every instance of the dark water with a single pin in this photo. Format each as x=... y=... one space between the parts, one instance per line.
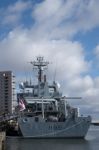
x=91 y=142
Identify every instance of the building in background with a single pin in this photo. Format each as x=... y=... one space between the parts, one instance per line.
x=7 y=92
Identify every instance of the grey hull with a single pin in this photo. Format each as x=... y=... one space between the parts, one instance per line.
x=47 y=113
x=70 y=128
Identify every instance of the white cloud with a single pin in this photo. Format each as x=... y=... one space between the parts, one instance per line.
x=19 y=41
x=97 y=51
x=63 y=19
x=13 y=13
x=19 y=6
x=11 y=18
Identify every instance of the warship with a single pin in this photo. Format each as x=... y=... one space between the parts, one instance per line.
x=45 y=113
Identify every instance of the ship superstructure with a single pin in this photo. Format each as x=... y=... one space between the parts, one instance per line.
x=47 y=114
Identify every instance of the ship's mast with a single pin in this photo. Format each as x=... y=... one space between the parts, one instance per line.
x=41 y=65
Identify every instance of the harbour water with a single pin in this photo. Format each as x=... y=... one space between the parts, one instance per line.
x=91 y=142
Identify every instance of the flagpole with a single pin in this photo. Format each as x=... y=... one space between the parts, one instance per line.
x=65 y=107
x=42 y=108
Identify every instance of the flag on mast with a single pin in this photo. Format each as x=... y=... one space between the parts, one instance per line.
x=21 y=105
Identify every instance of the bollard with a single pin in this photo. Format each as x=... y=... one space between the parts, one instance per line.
x=2 y=140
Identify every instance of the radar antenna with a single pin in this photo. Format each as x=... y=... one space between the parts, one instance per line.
x=40 y=64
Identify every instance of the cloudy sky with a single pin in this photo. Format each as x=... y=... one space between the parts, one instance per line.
x=65 y=32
